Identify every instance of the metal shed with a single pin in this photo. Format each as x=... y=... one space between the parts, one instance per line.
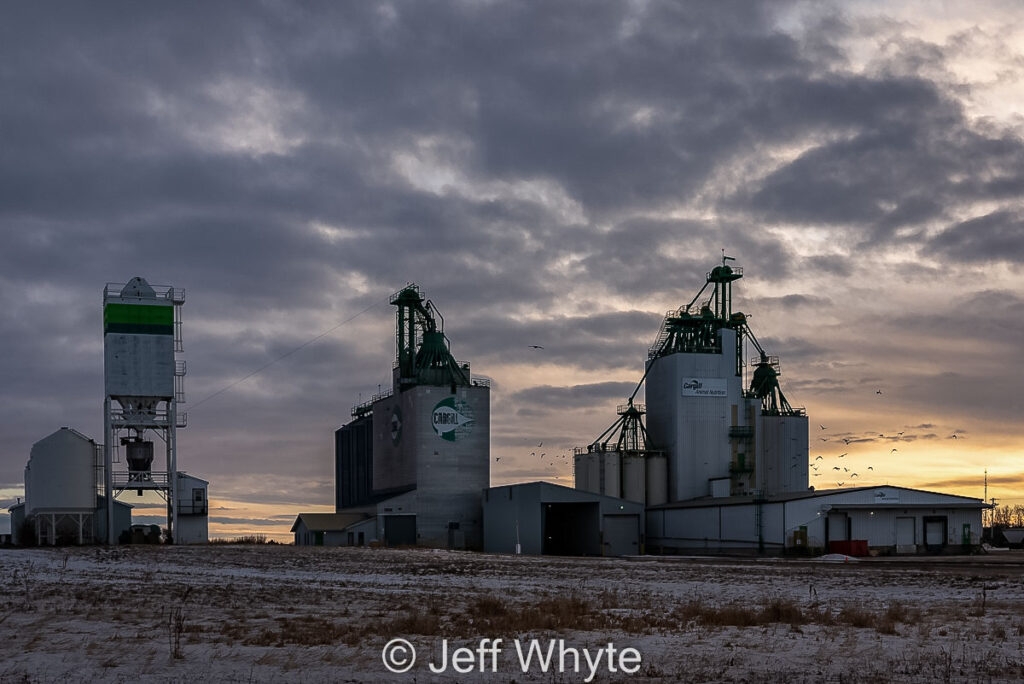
x=329 y=529
x=544 y=518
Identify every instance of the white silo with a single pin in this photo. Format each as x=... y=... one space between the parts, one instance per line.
x=634 y=477
x=657 y=479
x=616 y=463
x=587 y=474
x=62 y=473
x=611 y=473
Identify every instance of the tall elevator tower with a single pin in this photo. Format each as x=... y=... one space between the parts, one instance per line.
x=720 y=438
x=143 y=385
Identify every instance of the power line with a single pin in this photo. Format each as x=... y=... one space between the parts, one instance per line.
x=281 y=357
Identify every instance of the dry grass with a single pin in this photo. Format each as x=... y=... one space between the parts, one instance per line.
x=273 y=611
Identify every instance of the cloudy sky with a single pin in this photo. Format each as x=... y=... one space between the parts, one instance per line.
x=554 y=174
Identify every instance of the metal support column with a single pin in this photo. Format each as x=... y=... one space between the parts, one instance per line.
x=108 y=470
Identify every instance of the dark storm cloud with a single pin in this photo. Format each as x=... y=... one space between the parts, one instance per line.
x=998 y=236
x=605 y=340
x=577 y=396
x=902 y=153
x=257 y=522
x=974 y=481
x=291 y=165
x=793 y=300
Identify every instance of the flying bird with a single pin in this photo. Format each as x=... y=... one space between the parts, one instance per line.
x=952 y=436
x=870 y=468
x=893 y=451
x=840 y=483
x=822 y=426
x=841 y=455
x=846 y=470
x=835 y=468
x=535 y=346
x=878 y=391
x=846 y=441
x=823 y=439
x=899 y=434
x=854 y=475
x=817 y=458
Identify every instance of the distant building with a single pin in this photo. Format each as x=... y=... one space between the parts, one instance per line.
x=62 y=504
x=193 y=510
x=334 y=529
x=853 y=521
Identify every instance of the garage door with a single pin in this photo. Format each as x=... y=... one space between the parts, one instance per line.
x=934 y=532
x=837 y=527
x=905 y=531
x=621 y=535
x=400 y=530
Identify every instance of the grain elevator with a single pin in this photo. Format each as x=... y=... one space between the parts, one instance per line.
x=416 y=457
x=707 y=432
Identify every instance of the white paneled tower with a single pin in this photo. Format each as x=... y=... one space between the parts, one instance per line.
x=721 y=438
x=142 y=390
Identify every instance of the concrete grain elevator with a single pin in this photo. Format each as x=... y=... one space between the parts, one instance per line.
x=721 y=439
x=417 y=456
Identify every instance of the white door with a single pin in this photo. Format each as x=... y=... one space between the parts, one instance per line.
x=934 y=532
x=904 y=531
x=837 y=527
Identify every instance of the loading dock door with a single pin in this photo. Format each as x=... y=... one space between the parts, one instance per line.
x=935 y=533
x=904 y=531
x=571 y=529
x=400 y=530
x=621 y=535
x=838 y=527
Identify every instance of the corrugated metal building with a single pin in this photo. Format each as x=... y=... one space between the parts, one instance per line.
x=545 y=518
x=884 y=519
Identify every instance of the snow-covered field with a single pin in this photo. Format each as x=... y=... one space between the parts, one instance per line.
x=286 y=614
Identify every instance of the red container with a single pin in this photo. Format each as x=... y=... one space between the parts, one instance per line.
x=852 y=547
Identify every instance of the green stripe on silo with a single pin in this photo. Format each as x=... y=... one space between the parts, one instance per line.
x=138 y=319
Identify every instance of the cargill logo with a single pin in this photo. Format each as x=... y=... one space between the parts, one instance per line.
x=452 y=419
x=694 y=384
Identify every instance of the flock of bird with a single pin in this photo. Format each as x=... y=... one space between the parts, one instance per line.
x=845 y=470
x=846 y=441
x=551 y=461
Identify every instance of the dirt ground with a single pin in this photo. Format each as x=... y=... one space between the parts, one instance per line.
x=285 y=614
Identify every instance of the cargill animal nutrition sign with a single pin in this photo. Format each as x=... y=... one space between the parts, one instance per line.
x=704 y=387
x=452 y=419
